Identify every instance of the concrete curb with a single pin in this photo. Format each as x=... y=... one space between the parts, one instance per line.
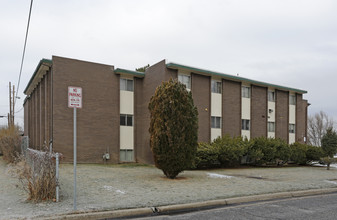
x=103 y=214
x=189 y=206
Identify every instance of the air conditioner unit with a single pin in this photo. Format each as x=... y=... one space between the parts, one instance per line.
x=271 y=110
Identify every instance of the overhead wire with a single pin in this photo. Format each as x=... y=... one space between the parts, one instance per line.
x=19 y=110
x=23 y=53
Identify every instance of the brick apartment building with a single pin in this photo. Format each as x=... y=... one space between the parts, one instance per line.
x=115 y=117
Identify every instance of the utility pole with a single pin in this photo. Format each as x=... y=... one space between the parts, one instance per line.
x=13 y=103
x=10 y=106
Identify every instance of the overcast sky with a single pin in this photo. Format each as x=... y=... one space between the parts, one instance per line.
x=287 y=42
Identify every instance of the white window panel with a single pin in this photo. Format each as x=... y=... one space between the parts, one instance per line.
x=126 y=137
x=126 y=105
x=215 y=133
x=245 y=108
x=216 y=104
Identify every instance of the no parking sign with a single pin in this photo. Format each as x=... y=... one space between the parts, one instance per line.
x=74 y=97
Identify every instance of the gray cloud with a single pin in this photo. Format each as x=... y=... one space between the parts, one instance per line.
x=291 y=43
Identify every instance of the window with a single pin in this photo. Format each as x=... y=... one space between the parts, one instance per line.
x=126 y=120
x=292 y=100
x=126 y=84
x=245 y=124
x=292 y=128
x=271 y=126
x=215 y=122
x=245 y=92
x=185 y=79
x=126 y=155
x=216 y=86
x=271 y=96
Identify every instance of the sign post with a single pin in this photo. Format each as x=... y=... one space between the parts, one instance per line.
x=75 y=101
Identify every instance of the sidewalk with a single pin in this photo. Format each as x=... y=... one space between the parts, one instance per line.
x=113 y=187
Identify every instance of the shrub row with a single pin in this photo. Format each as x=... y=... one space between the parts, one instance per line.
x=231 y=152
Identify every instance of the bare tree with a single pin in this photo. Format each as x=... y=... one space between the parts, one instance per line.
x=318 y=124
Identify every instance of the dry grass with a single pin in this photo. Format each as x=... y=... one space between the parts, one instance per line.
x=36 y=173
x=10 y=143
x=36 y=170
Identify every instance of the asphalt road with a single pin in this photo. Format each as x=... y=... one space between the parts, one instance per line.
x=312 y=207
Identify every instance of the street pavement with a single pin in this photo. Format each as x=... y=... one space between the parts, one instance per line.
x=310 y=207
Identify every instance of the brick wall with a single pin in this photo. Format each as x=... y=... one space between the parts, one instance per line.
x=201 y=93
x=38 y=118
x=306 y=105
x=282 y=115
x=30 y=120
x=47 y=114
x=138 y=130
x=42 y=110
x=301 y=106
x=34 y=118
x=259 y=114
x=97 y=121
x=231 y=108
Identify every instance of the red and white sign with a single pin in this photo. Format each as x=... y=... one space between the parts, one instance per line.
x=74 y=97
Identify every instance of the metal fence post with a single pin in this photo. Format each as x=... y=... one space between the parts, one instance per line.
x=57 y=177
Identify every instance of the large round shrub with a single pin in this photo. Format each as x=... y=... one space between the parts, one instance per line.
x=173 y=128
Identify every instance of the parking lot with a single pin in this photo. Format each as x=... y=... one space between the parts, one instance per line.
x=110 y=187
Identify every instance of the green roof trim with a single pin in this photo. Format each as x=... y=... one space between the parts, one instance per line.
x=43 y=61
x=130 y=72
x=231 y=77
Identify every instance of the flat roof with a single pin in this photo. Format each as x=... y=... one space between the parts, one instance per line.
x=230 y=77
x=130 y=72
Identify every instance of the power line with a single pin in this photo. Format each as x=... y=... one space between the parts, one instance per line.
x=19 y=110
x=24 y=51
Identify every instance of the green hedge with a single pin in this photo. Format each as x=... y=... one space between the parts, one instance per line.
x=268 y=151
x=302 y=153
x=230 y=152
x=299 y=153
x=206 y=157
